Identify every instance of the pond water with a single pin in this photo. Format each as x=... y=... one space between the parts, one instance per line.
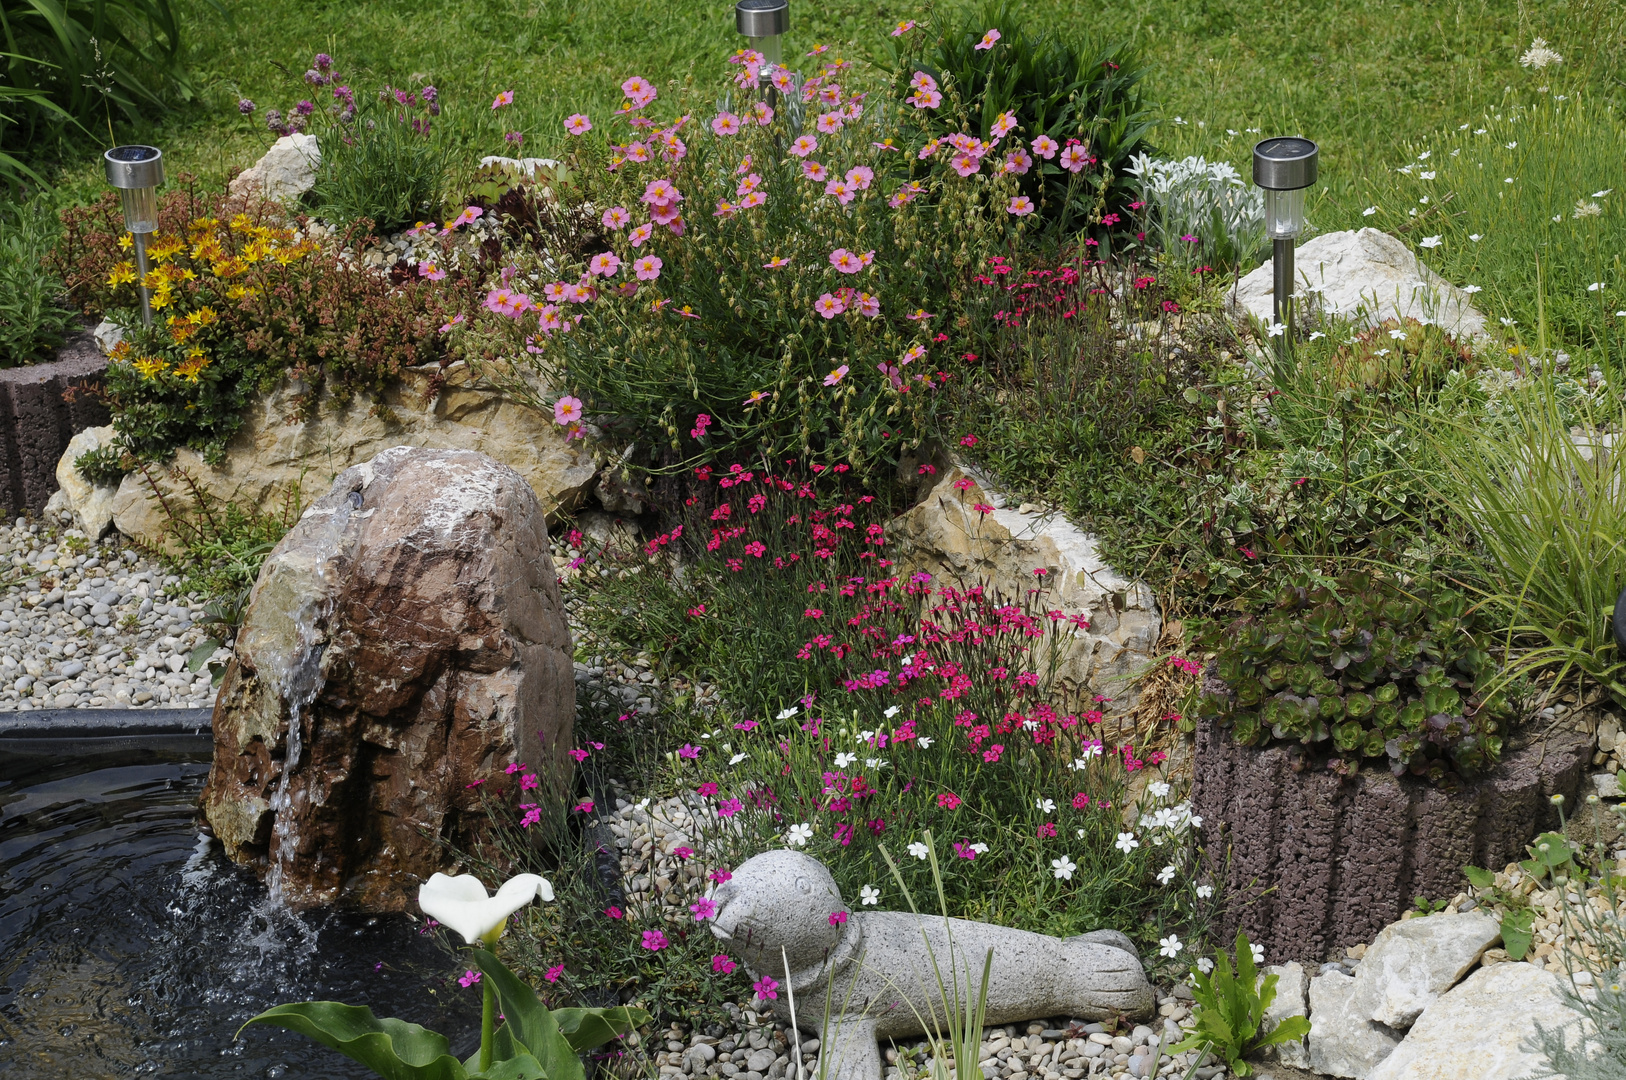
x=130 y=946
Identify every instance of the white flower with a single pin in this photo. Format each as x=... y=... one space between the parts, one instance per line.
x=1479 y=131
x=1369 y=211
x=1397 y=335
x=1558 y=217
x=1258 y=954
x=1205 y=891
x=1063 y=868
x=1471 y=289
x=1383 y=352
x=1277 y=329
x=786 y=714
x=1509 y=180
x=1584 y=209
x=866 y=736
x=869 y=895
x=1620 y=314
x=1044 y=806
x=1126 y=842
x=1539 y=55
x=1093 y=750
x=643 y=804
x=1165 y=875
x=1205 y=965
x=1428 y=175
x=799 y=834
x=1196 y=821
x=980 y=849
x=1423 y=201
x=461 y=903
x=1316 y=334
x=1171 y=946
x=1158 y=789
x=893 y=711
x=1079 y=834
x=925 y=742
x=843 y=760
x=1077 y=764
x=1601 y=194
x=737 y=758
x=1595 y=286
x=876 y=763
x=1432 y=241
x=1424 y=155
x=918 y=850
x=1509 y=322
x=1476 y=237
x=1510 y=146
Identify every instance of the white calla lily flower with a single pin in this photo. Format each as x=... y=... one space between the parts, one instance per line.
x=461 y=903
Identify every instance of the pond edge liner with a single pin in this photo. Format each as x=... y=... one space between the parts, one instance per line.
x=84 y=732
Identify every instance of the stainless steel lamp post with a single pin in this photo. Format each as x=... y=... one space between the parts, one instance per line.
x=1284 y=167
x=764 y=23
x=136 y=171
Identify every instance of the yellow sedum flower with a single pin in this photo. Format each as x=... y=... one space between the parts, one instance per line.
x=150 y=367
x=123 y=274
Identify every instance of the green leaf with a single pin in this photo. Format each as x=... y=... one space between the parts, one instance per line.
x=394 y=1049
x=1479 y=878
x=521 y=1066
x=1517 y=933
x=200 y=655
x=1291 y=1029
x=587 y=1029
x=529 y=1021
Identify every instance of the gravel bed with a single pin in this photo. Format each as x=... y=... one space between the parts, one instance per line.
x=86 y=626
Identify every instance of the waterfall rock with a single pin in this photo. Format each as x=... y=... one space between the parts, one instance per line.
x=404 y=643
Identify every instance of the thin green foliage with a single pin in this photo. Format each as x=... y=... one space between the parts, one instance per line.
x=1543 y=513
x=34 y=315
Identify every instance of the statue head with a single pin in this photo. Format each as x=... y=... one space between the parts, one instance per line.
x=779 y=900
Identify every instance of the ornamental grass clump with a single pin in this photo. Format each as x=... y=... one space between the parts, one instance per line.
x=1360 y=668
x=777 y=271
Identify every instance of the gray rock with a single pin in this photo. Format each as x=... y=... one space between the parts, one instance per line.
x=1292 y=999
x=90 y=504
x=1607 y=785
x=1476 y=1031
x=780 y=910
x=1412 y=963
x=1344 y=1041
x=286 y=172
x=1367 y=275
x=760 y=1061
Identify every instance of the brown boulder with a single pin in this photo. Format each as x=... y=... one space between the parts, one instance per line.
x=403 y=641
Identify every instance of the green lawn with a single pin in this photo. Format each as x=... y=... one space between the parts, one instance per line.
x=1361 y=76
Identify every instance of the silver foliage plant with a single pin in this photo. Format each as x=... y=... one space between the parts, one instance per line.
x=1208 y=200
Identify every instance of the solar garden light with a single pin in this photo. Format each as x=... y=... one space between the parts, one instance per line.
x=1284 y=167
x=764 y=23
x=137 y=171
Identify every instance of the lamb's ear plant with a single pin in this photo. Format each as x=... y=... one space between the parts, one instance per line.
x=1230 y=1009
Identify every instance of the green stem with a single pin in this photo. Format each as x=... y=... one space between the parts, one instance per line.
x=488 y=1022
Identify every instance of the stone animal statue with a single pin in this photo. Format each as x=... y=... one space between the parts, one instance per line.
x=872 y=973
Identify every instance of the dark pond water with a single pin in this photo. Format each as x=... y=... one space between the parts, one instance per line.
x=130 y=946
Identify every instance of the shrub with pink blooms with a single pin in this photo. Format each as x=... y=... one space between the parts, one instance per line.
x=788 y=265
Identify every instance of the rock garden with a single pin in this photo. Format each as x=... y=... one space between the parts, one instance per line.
x=842 y=545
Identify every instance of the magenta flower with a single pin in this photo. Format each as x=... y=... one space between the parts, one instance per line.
x=1074 y=158
x=721 y=876
x=469 y=978
x=703 y=908
x=926 y=99
x=688 y=752
x=1045 y=146
x=988 y=40
x=831 y=122
x=502 y=99
x=604 y=264
x=613 y=912
x=647 y=268
x=578 y=124
x=1020 y=206
x=708 y=789
x=948 y=800
x=584 y=807
x=814 y=171
x=729 y=807
x=804 y=146
x=683 y=853
x=829 y=306
x=725 y=124
x=837 y=918
x=903 y=28
x=566 y=410
x=767 y=989
x=846 y=261
x=431 y=270
x=616 y=217
x=637 y=236
x=552 y=974
x=655 y=941
x=639 y=91
x=722 y=965
x=838 y=374
x=860 y=177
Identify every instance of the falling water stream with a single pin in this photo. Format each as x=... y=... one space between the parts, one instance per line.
x=130 y=946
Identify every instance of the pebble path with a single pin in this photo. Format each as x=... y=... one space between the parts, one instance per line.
x=85 y=626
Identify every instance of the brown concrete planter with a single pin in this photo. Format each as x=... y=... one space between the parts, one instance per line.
x=1311 y=862
x=38 y=416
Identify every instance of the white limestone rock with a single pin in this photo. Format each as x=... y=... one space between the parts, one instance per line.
x=1292 y=999
x=286 y=172
x=107 y=334
x=1412 y=963
x=1477 y=1031
x=1368 y=276
x=91 y=504
x=1343 y=1041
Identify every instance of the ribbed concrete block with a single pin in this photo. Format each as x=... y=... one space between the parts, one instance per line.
x=42 y=406
x=1313 y=863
